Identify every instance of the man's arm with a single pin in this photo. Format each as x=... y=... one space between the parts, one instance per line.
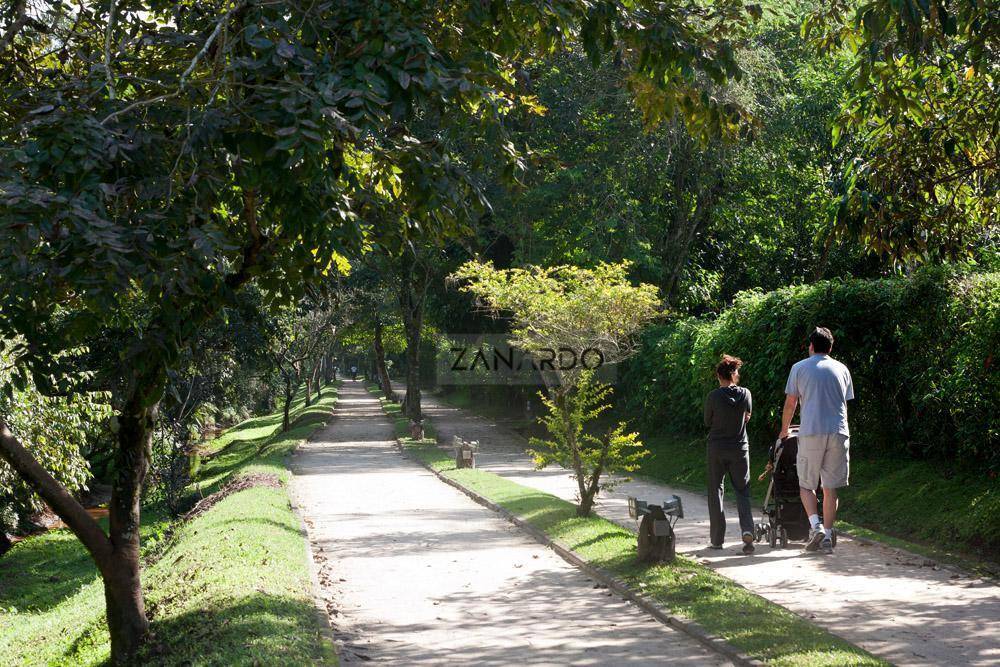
x=791 y=402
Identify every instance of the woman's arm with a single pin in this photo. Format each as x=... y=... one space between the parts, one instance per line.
x=708 y=411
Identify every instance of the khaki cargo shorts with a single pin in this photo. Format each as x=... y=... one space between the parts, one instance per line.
x=825 y=458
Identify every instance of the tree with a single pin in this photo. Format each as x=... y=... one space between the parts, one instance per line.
x=301 y=337
x=701 y=220
x=594 y=314
x=158 y=157
x=572 y=446
x=922 y=118
x=375 y=326
x=413 y=279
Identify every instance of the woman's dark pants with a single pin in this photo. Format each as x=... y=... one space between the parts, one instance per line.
x=736 y=462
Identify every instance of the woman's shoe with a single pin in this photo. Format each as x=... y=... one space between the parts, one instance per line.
x=717 y=547
x=748 y=547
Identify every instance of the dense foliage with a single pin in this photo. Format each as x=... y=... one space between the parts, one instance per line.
x=701 y=220
x=922 y=113
x=920 y=349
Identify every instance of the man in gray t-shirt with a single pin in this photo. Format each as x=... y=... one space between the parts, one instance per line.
x=822 y=386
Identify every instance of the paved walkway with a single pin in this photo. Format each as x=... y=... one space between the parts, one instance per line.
x=895 y=605
x=415 y=573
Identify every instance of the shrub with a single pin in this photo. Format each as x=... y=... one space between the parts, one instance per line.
x=920 y=350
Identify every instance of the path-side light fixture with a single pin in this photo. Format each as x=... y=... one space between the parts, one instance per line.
x=657 y=541
x=465 y=452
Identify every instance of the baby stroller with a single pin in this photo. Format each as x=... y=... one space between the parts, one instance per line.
x=784 y=516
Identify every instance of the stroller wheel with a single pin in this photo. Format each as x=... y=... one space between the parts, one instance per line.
x=783 y=537
x=833 y=536
x=772 y=536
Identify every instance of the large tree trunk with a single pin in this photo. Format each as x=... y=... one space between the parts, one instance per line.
x=309 y=386
x=380 y=368
x=413 y=410
x=316 y=379
x=127 y=623
x=412 y=291
x=285 y=424
x=117 y=556
x=685 y=230
x=695 y=189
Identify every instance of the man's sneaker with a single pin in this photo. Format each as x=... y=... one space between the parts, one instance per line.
x=748 y=547
x=816 y=536
x=826 y=546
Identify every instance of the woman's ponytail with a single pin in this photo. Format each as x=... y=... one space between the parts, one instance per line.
x=728 y=366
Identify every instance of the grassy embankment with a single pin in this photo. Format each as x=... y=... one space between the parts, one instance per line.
x=939 y=511
x=757 y=627
x=229 y=587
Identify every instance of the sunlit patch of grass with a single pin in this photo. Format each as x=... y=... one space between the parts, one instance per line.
x=249 y=452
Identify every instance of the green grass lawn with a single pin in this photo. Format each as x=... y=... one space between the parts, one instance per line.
x=759 y=628
x=229 y=587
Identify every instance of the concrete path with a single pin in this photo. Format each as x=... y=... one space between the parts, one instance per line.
x=415 y=573
x=894 y=604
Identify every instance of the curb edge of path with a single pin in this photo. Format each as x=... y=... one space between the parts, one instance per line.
x=687 y=626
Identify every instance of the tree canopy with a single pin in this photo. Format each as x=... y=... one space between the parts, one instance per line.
x=923 y=114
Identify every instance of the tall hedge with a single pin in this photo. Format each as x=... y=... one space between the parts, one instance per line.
x=921 y=351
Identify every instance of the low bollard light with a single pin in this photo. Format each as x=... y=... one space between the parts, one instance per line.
x=657 y=541
x=465 y=452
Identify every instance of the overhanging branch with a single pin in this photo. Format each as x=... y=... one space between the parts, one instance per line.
x=55 y=494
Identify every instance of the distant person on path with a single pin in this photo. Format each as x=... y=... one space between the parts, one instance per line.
x=822 y=386
x=354 y=372
x=727 y=411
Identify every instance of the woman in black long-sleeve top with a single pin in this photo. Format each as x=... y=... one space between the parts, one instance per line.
x=727 y=411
